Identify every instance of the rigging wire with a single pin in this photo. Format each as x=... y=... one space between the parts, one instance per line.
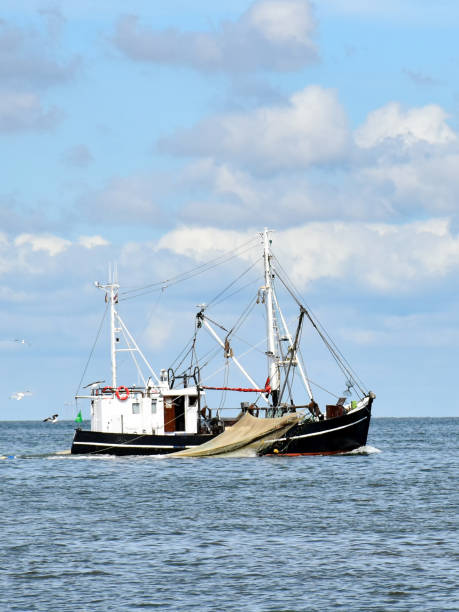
x=250 y=283
x=152 y=311
x=210 y=376
x=217 y=324
x=190 y=346
x=186 y=355
x=215 y=261
x=219 y=295
x=93 y=347
x=190 y=342
x=352 y=374
x=243 y=317
x=252 y=347
x=299 y=356
x=213 y=353
x=216 y=300
x=223 y=395
x=183 y=276
x=292 y=353
x=323 y=389
x=284 y=365
x=339 y=358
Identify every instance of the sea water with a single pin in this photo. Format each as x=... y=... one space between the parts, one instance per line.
x=375 y=530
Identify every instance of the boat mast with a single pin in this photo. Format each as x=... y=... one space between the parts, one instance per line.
x=117 y=326
x=113 y=297
x=273 y=367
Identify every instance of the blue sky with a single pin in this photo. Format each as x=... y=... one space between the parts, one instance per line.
x=161 y=135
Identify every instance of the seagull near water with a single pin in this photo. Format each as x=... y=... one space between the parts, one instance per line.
x=51 y=419
x=19 y=395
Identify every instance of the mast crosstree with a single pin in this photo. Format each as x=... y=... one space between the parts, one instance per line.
x=275 y=354
x=117 y=326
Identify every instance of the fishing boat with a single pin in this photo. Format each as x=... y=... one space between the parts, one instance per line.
x=168 y=413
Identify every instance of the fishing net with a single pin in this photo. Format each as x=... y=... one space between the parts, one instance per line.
x=248 y=434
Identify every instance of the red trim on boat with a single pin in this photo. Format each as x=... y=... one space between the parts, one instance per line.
x=267 y=388
x=279 y=454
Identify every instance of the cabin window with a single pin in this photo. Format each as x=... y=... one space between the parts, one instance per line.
x=135 y=408
x=154 y=403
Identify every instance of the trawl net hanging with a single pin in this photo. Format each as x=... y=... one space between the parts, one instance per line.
x=248 y=432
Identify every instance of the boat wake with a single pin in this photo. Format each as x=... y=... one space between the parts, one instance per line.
x=67 y=455
x=242 y=452
x=364 y=450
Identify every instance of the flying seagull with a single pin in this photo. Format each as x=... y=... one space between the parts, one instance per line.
x=22 y=341
x=51 y=419
x=19 y=395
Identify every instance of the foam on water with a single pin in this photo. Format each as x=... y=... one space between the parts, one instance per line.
x=364 y=450
x=239 y=453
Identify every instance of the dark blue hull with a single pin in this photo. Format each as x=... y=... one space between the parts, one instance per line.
x=331 y=436
x=96 y=442
x=339 y=435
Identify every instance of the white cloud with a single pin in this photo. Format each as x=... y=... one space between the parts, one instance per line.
x=31 y=254
x=201 y=243
x=298 y=161
x=311 y=129
x=53 y=245
x=219 y=181
x=426 y=124
x=271 y=34
x=35 y=255
x=225 y=195
x=283 y=21
x=90 y=242
x=425 y=183
x=381 y=257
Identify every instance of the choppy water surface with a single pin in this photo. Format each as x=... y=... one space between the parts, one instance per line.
x=373 y=531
